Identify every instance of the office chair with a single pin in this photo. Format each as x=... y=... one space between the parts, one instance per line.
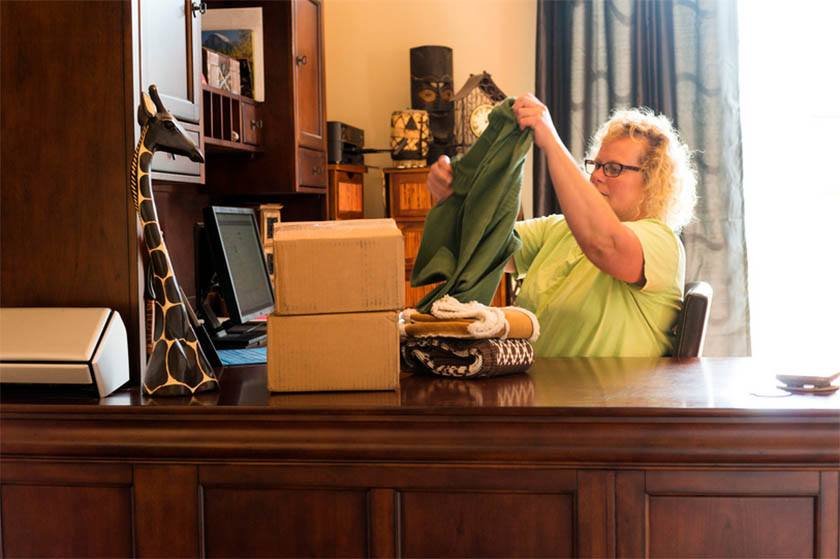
x=690 y=327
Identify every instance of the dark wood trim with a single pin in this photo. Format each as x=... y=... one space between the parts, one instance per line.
x=382 y=523
x=166 y=507
x=596 y=502
x=631 y=514
x=828 y=517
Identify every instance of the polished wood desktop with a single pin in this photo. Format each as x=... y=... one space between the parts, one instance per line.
x=583 y=457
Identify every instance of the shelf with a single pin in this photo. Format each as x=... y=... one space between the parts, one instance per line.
x=216 y=145
x=230 y=121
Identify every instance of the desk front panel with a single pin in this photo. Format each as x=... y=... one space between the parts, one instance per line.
x=578 y=457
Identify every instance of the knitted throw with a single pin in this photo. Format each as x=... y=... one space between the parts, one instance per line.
x=467 y=358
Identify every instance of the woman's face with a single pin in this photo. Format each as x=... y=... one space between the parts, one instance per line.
x=625 y=192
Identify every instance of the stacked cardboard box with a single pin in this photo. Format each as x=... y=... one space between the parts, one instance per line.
x=338 y=290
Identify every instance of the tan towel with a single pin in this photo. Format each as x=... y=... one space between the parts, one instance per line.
x=453 y=319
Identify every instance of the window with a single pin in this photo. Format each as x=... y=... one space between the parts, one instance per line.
x=790 y=111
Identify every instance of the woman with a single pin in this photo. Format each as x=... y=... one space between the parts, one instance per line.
x=605 y=278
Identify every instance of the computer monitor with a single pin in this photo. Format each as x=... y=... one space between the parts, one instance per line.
x=239 y=262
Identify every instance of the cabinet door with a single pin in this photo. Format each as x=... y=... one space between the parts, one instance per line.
x=408 y=196
x=727 y=514
x=170 y=55
x=309 y=73
x=66 y=509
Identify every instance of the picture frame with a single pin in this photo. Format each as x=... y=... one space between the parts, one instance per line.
x=240 y=24
x=269 y=217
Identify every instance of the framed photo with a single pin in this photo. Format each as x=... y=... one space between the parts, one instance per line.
x=238 y=33
x=269 y=217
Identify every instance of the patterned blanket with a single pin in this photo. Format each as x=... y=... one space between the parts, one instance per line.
x=467 y=358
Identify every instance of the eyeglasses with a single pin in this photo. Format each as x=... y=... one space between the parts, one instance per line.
x=611 y=168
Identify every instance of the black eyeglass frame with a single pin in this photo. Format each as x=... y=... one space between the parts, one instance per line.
x=596 y=165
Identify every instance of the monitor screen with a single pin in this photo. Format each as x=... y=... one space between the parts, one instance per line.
x=239 y=261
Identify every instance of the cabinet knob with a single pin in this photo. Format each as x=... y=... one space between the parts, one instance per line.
x=256 y=124
x=316 y=169
x=200 y=7
x=301 y=59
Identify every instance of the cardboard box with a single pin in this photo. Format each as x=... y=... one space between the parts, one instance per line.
x=338 y=266
x=349 y=351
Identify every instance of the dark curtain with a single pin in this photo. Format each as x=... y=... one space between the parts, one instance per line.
x=678 y=57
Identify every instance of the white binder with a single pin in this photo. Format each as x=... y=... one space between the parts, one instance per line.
x=64 y=346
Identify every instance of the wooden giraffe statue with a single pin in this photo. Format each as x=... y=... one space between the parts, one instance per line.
x=177 y=365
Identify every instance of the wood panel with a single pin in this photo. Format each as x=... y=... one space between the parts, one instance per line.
x=171 y=55
x=828 y=533
x=730 y=513
x=412 y=236
x=179 y=209
x=483 y=524
x=382 y=504
x=716 y=526
x=66 y=510
x=346 y=197
x=66 y=225
x=166 y=510
x=408 y=196
x=241 y=522
x=309 y=73
x=596 y=513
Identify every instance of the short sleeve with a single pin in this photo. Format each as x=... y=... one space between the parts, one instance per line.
x=663 y=254
x=533 y=233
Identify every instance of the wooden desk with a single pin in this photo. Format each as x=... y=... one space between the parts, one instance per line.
x=585 y=457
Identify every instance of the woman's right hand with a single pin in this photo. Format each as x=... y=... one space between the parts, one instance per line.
x=439 y=181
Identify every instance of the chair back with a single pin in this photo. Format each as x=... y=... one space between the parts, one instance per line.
x=690 y=328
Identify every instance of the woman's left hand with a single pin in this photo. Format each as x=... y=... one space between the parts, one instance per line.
x=532 y=113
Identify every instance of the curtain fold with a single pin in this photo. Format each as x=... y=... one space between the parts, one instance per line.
x=678 y=57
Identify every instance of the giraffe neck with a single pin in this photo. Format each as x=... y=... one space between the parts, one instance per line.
x=167 y=292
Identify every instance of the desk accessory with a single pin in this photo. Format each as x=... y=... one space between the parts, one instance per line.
x=817 y=383
x=177 y=365
x=77 y=348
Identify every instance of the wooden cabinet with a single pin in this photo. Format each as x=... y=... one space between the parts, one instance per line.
x=293 y=156
x=170 y=58
x=578 y=457
x=705 y=513
x=170 y=55
x=72 y=73
x=308 y=75
x=69 y=103
x=407 y=200
x=345 y=197
x=231 y=122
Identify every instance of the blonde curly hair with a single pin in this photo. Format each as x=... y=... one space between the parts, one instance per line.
x=670 y=179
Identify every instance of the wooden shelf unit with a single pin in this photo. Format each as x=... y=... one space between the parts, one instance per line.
x=230 y=121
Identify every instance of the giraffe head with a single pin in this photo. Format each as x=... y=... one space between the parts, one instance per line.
x=165 y=133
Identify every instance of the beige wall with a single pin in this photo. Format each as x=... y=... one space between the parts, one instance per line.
x=367 y=46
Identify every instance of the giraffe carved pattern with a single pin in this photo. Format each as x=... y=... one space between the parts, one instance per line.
x=177 y=365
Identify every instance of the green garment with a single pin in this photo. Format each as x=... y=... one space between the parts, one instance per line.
x=589 y=313
x=468 y=238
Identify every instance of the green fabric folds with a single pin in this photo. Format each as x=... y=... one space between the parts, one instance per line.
x=468 y=238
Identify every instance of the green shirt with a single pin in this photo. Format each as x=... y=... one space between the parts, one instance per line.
x=468 y=238
x=586 y=312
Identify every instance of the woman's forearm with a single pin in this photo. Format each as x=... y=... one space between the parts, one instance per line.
x=590 y=218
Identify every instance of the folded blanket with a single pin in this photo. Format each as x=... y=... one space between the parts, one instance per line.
x=451 y=318
x=467 y=358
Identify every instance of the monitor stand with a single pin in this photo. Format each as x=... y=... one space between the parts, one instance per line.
x=237 y=336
